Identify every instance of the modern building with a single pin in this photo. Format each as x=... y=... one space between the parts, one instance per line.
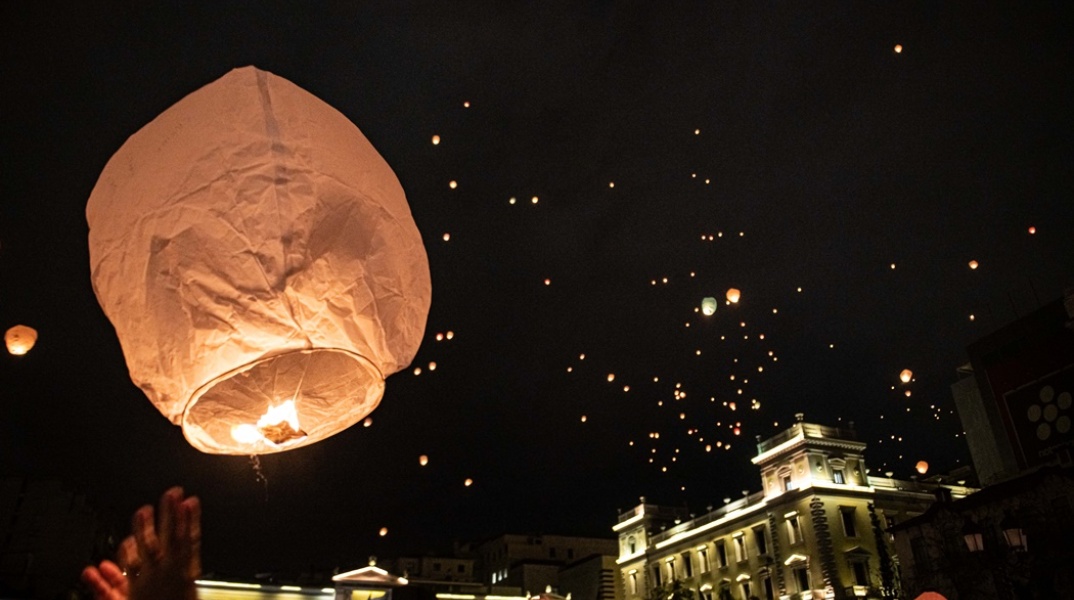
x=532 y=563
x=816 y=529
x=595 y=577
x=1010 y=396
x=441 y=574
x=1011 y=539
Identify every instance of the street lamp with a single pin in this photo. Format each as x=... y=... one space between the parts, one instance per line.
x=1013 y=533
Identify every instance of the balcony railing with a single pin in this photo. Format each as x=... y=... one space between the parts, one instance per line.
x=808 y=430
x=707 y=518
x=652 y=510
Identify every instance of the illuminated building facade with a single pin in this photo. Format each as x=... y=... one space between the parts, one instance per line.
x=815 y=530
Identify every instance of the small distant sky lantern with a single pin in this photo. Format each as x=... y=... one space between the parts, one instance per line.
x=708 y=305
x=733 y=295
x=423 y=460
x=922 y=467
x=20 y=339
x=260 y=264
x=973 y=264
x=906 y=375
x=898 y=48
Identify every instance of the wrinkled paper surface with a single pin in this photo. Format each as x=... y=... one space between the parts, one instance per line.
x=250 y=246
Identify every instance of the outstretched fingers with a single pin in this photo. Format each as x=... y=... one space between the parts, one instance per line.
x=127 y=556
x=114 y=576
x=145 y=535
x=167 y=516
x=190 y=509
x=106 y=581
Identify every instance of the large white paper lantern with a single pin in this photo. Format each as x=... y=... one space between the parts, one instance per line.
x=259 y=262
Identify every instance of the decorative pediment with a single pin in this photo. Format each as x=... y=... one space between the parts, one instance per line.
x=371 y=576
x=796 y=558
x=857 y=551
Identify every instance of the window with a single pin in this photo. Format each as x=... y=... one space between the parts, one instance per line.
x=847 y=514
x=769 y=594
x=740 y=548
x=633 y=583
x=786 y=482
x=551 y=553
x=703 y=556
x=794 y=529
x=570 y=553
x=721 y=554
x=656 y=576
x=436 y=567
x=837 y=476
x=760 y=539
x=861 y=572
x=461 y=568
x=687 y=565
x=671 y=570
x=633 y=543
x=746 y=589
x=801 y=577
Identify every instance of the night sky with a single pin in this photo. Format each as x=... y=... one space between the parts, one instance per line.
x=813 y=154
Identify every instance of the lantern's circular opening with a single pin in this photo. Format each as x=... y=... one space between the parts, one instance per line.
x=282 y=402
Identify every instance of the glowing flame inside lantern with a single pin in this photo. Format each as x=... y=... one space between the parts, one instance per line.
x=20 y=339
x=906 y=375
x=733 y=295
x=708 y=306
x=277 y=426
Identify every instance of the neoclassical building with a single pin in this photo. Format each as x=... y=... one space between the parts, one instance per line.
x=815 y=530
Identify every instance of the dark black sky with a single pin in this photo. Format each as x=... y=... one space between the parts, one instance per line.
x=834 y=155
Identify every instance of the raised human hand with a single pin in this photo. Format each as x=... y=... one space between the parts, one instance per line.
x=160 y=560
